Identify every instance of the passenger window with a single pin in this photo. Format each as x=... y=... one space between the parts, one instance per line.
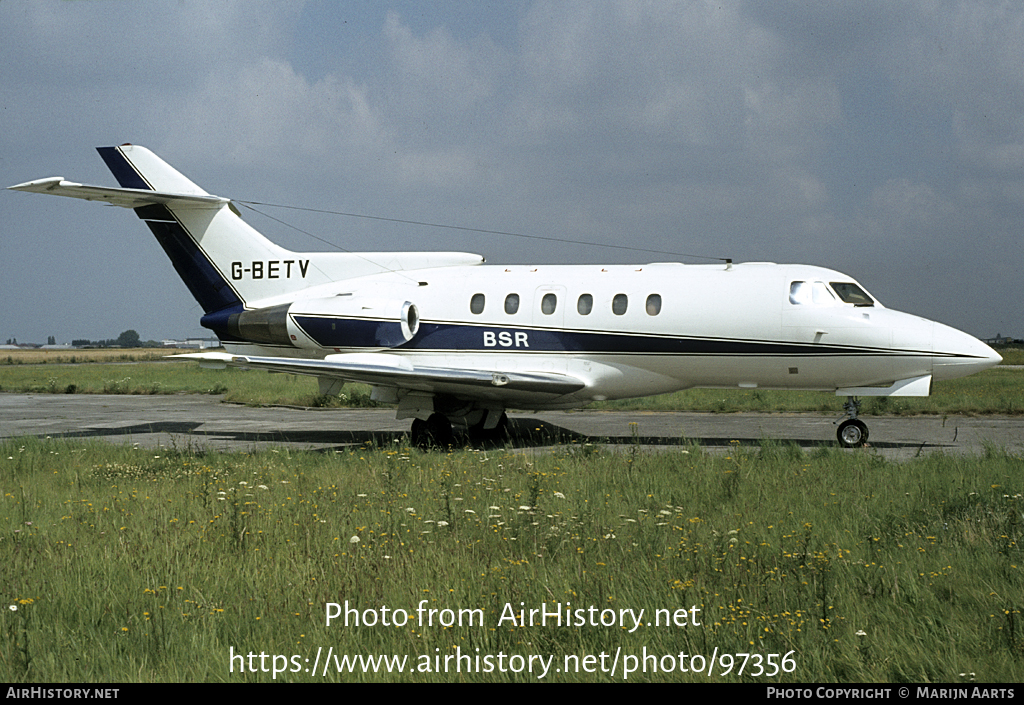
x=548 y=304
x=511 y=303
x=654 y=304
x=585 y=304
x=476 y=304
x=619 y=304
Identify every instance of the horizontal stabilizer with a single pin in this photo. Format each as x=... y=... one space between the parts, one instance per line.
x=124 y=197
x=394 y=371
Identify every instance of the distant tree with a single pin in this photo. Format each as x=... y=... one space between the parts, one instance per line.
x=128 y=339
x=51 y=340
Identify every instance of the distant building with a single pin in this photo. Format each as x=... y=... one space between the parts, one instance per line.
x=192 y=343
x=1000 y=340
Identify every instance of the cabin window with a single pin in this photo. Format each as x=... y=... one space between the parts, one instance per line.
x=511 y=304
x=585 y=304
x=654 y=304
x=852 y=294
x=476 y=304
x=619 y=304
x=548 y=304
x=810 y=294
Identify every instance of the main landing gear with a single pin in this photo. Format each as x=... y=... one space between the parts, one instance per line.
x=852 y=433
x=437 y=432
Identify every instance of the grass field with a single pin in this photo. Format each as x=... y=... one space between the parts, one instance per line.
x=78 y=356
x=771 y=563
x=125 y=565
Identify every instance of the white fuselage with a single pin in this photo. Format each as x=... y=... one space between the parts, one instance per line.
x=638 y=330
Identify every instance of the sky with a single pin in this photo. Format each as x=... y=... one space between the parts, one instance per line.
x=884 y=140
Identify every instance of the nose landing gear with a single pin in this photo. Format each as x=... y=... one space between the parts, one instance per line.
x=852 y=433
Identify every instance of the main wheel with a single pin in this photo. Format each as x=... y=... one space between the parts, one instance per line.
x=435 y=432
x=418 y=434
x=852 y=433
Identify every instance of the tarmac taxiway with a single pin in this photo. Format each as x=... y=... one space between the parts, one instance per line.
x=206 y=423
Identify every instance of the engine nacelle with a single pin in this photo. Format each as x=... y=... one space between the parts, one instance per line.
x=337 y=322
x=262 y=325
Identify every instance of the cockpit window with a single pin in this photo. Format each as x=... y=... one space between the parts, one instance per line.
x=810 y=294
x=852 y=294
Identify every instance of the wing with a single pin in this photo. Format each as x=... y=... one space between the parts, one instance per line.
x=396 y=371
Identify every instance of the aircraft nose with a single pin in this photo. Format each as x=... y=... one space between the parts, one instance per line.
x=957 y=354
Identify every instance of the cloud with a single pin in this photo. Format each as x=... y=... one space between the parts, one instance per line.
x=850 y=134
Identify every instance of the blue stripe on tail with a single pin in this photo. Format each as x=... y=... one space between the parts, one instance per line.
x=124 y=172
x=207 y=285
x=202 y=278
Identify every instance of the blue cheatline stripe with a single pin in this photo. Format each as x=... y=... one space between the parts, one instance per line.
x=122 y=169
x=203 y=280
x=337 y=332
x=334 y=332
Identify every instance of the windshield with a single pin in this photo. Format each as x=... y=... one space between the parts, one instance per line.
x=852 y=294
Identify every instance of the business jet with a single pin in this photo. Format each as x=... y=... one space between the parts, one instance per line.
x=454 y=342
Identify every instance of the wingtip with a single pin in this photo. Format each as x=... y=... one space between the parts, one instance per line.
x=38 y=184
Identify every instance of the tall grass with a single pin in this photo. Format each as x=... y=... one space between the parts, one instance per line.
x=141 y=565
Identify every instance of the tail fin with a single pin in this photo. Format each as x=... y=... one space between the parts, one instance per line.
x=224 y=262
x=211 y=248
x=138 y=168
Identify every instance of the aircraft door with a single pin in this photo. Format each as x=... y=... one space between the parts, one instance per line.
x=548 y=319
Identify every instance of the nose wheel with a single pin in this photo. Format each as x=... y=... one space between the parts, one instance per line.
x=852 y=433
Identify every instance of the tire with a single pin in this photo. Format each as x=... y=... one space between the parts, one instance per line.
x=418 y=434
x=434 y=433
x=852 y=433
